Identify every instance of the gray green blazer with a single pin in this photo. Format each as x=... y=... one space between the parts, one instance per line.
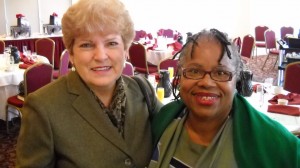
x=63 y=126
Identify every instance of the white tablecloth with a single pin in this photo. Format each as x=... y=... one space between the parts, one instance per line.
x=155 y=56
x=9 y=81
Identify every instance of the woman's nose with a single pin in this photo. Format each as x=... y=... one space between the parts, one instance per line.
x=206 y=80
x=100 y=52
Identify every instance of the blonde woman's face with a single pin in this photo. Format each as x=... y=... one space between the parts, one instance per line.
x=99 y=59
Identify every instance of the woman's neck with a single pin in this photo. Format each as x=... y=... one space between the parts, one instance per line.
x=203 y=132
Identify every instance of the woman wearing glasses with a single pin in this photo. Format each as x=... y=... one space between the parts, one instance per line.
x=209 y=124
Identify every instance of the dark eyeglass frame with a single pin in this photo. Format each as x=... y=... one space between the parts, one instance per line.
x=230 y=73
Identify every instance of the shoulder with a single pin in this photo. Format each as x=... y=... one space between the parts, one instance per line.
x=164 y=117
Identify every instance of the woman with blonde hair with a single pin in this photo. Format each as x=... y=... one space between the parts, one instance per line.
x=94 y=116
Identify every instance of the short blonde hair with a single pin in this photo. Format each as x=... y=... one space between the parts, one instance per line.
x=97 y=16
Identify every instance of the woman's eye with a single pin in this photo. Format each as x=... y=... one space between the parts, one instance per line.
x=86 y=45
x=195 y=71
x=221 y=73
x=113 y=43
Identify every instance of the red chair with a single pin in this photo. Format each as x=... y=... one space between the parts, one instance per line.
x=238 y=43
x=247 y=48
x=63 y=65
x=286 y=30
x=128 y=69
x=2 y=47
x=46 y=48
x=137 y=55
x=260 y=37
x=271 y=46
x=169 y=62
x=35 y=77
x=291 y=77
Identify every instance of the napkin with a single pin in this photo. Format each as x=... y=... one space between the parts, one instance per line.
x=283 y=109
x=24 y=66
x=26 y=62
x=293 y=98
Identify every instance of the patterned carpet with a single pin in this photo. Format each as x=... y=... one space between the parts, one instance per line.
x=8 y=142
x=255 y=65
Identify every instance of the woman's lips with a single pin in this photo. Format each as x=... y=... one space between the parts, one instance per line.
x=207 y=99
x=103 y=68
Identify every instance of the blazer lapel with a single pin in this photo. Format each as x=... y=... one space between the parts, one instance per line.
x=87 y=107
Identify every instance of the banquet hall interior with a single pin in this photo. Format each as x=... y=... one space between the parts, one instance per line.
x=234 y=17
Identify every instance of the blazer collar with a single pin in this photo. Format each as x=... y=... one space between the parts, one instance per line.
x=87 y=107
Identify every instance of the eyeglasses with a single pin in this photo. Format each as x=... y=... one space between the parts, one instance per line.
x=216 y=75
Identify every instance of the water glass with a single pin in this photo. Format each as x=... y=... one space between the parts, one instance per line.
x=25 y=50
x=268 y=84
x=260 y=92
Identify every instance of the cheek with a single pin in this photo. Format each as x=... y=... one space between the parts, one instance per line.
x=185 y=86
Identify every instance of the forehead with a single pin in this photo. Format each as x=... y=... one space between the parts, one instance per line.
x=207 y=53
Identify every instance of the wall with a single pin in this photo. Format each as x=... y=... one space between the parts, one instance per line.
x=236 y=17
x=37 y=12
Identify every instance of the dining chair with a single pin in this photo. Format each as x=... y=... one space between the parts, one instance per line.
x=46 y=48
x=284 y=30
x=35 y=77
x=271 y=47
x=137 y=55
x=128 y=69
x=2 y=47
x=291 y=81
x=238 y=43
x=63 y=65
x=168 y=62
x=260 y=37
x=247 y=49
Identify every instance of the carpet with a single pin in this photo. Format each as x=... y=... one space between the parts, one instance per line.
x=259 y=75
x=8 y=143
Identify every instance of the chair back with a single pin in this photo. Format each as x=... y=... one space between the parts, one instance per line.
x=128 y=69
x=238 y=43
x=46 y=48
x=2 y=47
x=291 y=77
x=259 y=33
x=137 y=55
x=247 y=46
x=270 y=39
x=37 y=76
x=64 y=63
x=168 y=62
x=286 y=30
x=168 y=33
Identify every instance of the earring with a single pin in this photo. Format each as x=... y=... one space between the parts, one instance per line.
x=73 y=67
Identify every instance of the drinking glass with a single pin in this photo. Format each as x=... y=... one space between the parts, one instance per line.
x=260 y=92
x=160 y=93
x=25 y=50
x=268 y=83
x=171 y=72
